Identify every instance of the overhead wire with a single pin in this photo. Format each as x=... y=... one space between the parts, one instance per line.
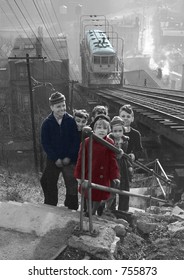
x=53 y=24
x=35 y=33
x=9 y=20
x=21 y=25
x=37 y=39
x=19 y=21
x=45 y=26
x=50 y=18
x=28 y=36
x=31 y=29
x=44 y=18
x=55 y=14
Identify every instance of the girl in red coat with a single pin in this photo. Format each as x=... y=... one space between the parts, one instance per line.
x=104 y=165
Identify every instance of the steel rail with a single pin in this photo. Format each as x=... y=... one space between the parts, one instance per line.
x=87 y=131
x=129 y=99
x=121 y=192
x=136 y=163
x=157 y=91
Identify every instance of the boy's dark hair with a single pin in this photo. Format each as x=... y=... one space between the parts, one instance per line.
x=101 y=117
x=99 y=109
x=127 y=108
x=81 y=113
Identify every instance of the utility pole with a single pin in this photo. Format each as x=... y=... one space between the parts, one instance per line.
x=72 y=82
x=31 y=105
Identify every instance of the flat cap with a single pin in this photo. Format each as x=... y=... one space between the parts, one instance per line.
x=56 y=97
x=117 y=121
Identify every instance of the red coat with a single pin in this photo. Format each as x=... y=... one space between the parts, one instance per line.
x=104 y=167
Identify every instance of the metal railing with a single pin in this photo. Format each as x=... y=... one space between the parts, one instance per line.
x=87 y=131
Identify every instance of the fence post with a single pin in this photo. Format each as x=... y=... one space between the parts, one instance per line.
x=89 y=182
x=82 y=180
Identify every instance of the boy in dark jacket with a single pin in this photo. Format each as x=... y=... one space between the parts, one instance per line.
x=134 y=148
x=60 y=141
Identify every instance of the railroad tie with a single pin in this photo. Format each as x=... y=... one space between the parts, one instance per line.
x=169 y=124
x=177 y=126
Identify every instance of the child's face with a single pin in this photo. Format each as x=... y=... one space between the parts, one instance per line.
x=81 y=122
x=59 y=109
x=117 y=131
x=127 y=118
x=100 y=129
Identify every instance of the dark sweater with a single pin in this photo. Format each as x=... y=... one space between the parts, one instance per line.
x=60 y=141
x=134 y=143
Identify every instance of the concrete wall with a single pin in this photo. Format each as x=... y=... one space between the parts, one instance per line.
x=139 y=78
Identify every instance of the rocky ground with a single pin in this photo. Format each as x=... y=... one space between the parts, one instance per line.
x=153 y=235
x=156 y=234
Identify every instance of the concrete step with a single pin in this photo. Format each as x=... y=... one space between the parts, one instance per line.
x=34 y=218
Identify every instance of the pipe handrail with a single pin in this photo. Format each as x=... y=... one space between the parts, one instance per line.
x=87 y=131
x=122 y=192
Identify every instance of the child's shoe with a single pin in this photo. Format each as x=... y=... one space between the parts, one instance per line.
x=100 y=209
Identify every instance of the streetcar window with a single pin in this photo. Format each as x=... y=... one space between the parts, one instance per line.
x=104 y=60
x=96 y=60
x=111 y=60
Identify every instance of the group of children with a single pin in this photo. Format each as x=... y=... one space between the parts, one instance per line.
x=61 y=136
x=109 y=169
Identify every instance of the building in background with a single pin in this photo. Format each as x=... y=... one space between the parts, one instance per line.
x=48 y=73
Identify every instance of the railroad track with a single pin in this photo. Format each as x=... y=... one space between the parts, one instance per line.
x=172 y=108
x=160 y=110
x=179 y=94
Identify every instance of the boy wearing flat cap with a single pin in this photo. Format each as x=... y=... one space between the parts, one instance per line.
x=134 y=148
x=60 y=141
x=121 y=142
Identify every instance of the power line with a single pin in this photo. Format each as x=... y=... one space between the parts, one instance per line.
x=19 y=21
x=45 y=26
x=61 y=31
x=20 y=10
x=53 y=25
x=9 y=19
x=35 y=34
x=15 y=28
x=50 y=18
x=14 y=13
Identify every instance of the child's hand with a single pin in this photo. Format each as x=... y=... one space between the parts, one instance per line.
x=59 y=162
x=66 y=161
x=79 y=181
x=130 y=173
x=85 y=184
x=132 y=157
x=116 y=183
x=120 y=154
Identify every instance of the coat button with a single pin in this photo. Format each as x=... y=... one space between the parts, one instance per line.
x=101 y=167
x=101 y=176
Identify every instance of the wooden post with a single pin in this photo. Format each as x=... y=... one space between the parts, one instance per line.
x=31 y=105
